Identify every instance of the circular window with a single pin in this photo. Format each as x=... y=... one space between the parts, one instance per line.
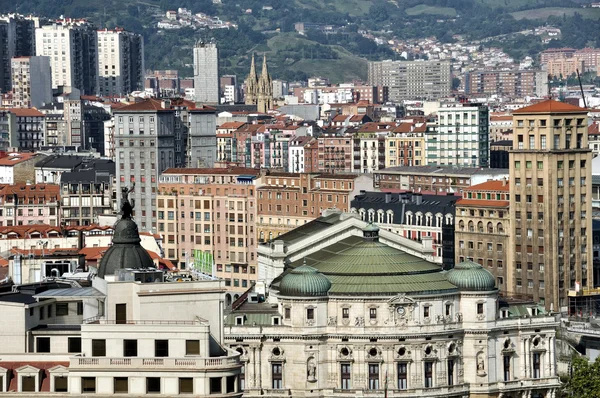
x=276 y=351
x=344 y=351
x=373 y=352
x=428 y=350
x=507 y=344
x=536 y=342
x=401 y=351
x=451 y=348
x=240 y=350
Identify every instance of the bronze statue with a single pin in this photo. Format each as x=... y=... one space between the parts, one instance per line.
x=127 y=205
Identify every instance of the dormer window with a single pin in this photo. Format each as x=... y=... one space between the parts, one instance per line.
x=239 y=320
x=275 y=321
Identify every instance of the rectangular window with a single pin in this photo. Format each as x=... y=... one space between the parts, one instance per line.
x=215 y=385
x=506 y=361
x=479 y=308
x=192 y=347
x=42 y=344
x=62 y=309
x=372 y=313
x=98 y=348
x=161 y=348
x=373 y=376
x=186 y=385
x=402 y=375
x=345 y=313
x=61 y=384
x=310 y=313
x=88 y=384
x=277 y=375
x=130 y=348
x=345 y=371
x=426 y=312
x=288 y=313
x=451 y=372
x=74 y=344
x=428 y=374
x=536 y=365
x=28 y=383
x=152 y=384
x=121 y=385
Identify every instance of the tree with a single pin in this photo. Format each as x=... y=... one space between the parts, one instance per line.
x=584 y=381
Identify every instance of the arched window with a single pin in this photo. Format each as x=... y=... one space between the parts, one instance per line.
x=362 y=214
x=380 y=216
x=461 y=225
x=490 y=228
x=371 y=215
x=262 y=236
x=500 y=228
x=471 y=226
x=270 y=235
x=480 y=226
x=390 y=216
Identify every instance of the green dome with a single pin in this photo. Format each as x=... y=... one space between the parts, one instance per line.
x=304 y=281
x=471 y=276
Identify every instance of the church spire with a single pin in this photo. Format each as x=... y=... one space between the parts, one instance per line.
x=265 y=70
x=251 y=92
x=252 y=68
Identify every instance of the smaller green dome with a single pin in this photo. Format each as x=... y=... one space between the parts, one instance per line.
x=304 y=281
x=471 y=276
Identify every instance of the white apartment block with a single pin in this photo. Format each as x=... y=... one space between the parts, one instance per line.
x=206 y=73
x=71 y=46
x=230 y=94
x=120 y=62
x=31 y=82
x=461 y=137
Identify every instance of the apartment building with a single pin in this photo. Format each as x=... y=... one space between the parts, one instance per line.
x=8 y=136
x=562 y=68
x=556 y=53
x=507 y=83
x=414 y=216
x=433 y=178
x=72 y=48
x=120 y=62
x=17 y=39
x=405 y=145
x=88 y=192
x=369 y=146
x=500 y=127
x=335 y=154
x=289 y=200
x=17 y=167
x=461 y=137
x=550 y=203
x=412 y=79
x=27 y=204
x=483 y=226
x=297 y=156
x=208 y=216
x=201 y=136
x=31 y=82
x=30 y=128
x=206 y=73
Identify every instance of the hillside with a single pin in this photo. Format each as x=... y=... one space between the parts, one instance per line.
x=268 y=26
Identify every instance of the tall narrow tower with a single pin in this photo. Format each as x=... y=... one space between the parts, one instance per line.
x=550 y=203
x=265 y=89
x=251 y=93
x=206 y=73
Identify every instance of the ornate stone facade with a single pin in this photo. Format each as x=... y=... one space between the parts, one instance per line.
x=259 y=90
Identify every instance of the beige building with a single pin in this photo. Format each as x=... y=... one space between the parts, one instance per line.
x=405 y=145
x=207 y=218
x=482 y=228
x=565 y=67
x=550 y=203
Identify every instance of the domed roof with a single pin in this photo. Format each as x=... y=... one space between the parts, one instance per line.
x=126 y=251
x=304 y=281
x=471 y=276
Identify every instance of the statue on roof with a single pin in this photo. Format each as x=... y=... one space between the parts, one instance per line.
x=126 y=205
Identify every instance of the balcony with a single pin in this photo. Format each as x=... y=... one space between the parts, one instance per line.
x=195 y=363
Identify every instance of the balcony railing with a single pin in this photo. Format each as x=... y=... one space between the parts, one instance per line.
x=163 y=363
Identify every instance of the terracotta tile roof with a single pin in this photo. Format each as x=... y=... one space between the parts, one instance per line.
x=24 y=191
x=3 y=262
x=550 y=106
x=228 y=171
x=501 y=118
x=26 y=112
x=15 y=158
x=153 y=104
x=593 y=129
x=482 y=203
x=162 y=262
x=23 y=230
x=373 y=127
x=494 y=185
x=340 y=118
x=404 y=127
x=46 y=252
x=231 y=125
x=93 y=253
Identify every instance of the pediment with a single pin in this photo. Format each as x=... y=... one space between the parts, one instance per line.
x=27 y=369
x=400 y=299
x=58 y=369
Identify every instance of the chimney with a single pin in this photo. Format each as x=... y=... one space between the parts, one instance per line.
x=418 y=198
x=363 y=192
x=504 y=181
x=388 y=197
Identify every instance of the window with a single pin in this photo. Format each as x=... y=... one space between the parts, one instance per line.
x=373 y=376
x=186 y=385
x=451 y=372
x=277 y=375
x=310 y=313
x=152 y=384
x=161 y=348
x=130 y=348
x=288 y=312
x=506 y=363
x=74 y=344
x=121 y=385
x=345 y=371
x=428 y=374
x=345 y=313
x=479 y=308
x=215 y=385
x=98 y=348
x=426 y=312
x=192 y=347
x=402 y=375
x=372 y=313
x=61 y=384
x=42 y=344
x=448 y=309
x=42 y=313
x=536 y=365
x=88 y=384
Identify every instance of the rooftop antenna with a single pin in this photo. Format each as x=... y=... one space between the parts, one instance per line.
x=581 y=88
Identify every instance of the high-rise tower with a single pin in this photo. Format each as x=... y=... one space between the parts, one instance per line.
x=206 y=73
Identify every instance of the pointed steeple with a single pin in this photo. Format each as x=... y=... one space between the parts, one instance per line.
x=252 y=68
x=252 y=86
x=265 y=70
